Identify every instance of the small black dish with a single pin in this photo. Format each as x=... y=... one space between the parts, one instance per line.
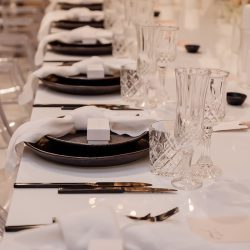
x=192 y=48
x=235 y=98
x=157 y=13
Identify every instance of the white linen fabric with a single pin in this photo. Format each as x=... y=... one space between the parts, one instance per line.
x=120 y=123
x=80 y=14
x=75 y=35
x=74 y=232
x=111 y=66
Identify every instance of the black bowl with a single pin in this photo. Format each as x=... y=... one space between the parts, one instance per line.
x=157 y=13
x=235 y=98
x=192 y=48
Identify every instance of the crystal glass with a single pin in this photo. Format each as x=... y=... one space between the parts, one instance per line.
x=146 y=64
x=191 y=88
x=136 y=11
x=214 y=110
x=165 y=52
x=119 y=46
x=3 y=217
x=114 y=13
x=131 y=88
x=139 y=11
x=244 y=58
x=164 y=150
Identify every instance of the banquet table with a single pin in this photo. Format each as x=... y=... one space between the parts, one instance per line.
x=39 y=206
x=230 y=151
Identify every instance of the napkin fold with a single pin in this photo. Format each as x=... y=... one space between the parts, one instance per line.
x=74 y=232
x=111 y=66
x=75 y=35
x=32 y=131
x=80 y=14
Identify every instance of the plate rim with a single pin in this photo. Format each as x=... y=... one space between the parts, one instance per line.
x=79 y=45
x=31 y=145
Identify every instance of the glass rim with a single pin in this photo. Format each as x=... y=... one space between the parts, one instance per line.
x=129 y=64
x=185 y=69
x=218 y=73
x=160 y=121
x=167 y=27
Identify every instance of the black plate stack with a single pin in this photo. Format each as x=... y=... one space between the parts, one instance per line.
x=73 y=149
x=81 y=85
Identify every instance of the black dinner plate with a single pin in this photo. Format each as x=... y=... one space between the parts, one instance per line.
x=71 y=155
x=81 y=49
x=82 y=80
x=81 y=89
x=92 y=6
x=73 y=24
x=83 y=85
x=79 y=139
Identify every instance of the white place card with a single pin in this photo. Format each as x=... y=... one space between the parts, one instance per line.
x=98 y=131
x=95 y=71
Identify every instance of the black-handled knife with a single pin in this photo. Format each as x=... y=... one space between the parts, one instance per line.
x=81 y=184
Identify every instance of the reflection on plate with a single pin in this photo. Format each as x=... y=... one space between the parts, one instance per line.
x=81 y=49
x=74 y=155
x=70 y=24
x=91 y=6
x=83 y=86
x=80 y=139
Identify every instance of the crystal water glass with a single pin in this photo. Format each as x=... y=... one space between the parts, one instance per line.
x=114 y=14
x=164 y=150
x=191 y=88
x=131 y=88
x=136 y=11
x=165 y=52
x=146 y=64
x=214 y=110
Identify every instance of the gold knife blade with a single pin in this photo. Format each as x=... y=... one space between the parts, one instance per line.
x=148 y=190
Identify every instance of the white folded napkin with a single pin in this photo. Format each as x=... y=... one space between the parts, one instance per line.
x=53 y=3
x=111 y=66
x=76 y=120
x=72 y=232
x=80 y=14
x=76 y=231
x=75 y=35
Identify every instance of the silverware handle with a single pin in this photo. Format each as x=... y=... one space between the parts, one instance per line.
x=52 y=185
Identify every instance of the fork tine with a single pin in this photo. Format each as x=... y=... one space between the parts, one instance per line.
x=146 y=217
x=164 y=216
